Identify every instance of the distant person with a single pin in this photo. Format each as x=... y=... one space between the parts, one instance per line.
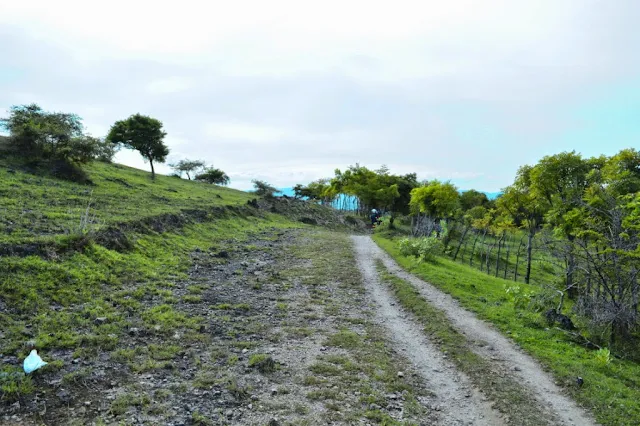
x=374 y=216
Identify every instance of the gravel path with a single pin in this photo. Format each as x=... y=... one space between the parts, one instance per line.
x=455 y=398
x=492 y=344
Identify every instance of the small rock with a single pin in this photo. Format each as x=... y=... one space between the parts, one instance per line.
x=274 y=391
x=87 y=403
x=400 y=374
x=323 y=348
x=250 y=406
x=64 y=395
x=374 y=407
x=245 y=350
x=516 y=368
x=100 y=320
x=273 y=422
x=133 y=331
x=76 y=361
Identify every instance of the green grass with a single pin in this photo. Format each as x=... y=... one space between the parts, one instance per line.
x=263 y=362
x=612 y=391
x=129 y=289
x=36 y=207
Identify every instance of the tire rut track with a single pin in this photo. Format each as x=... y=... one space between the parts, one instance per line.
x=456 y=399
x=496 y=348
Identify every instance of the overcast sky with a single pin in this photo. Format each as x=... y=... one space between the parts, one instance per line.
x=287 y=91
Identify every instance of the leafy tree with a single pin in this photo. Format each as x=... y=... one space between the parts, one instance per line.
x=144 y=134
x=263 y=189
x=187 y=166
x=524 y=208
x=318 y=190
x=214 y=176
x=559 y=182
x=436 y=199
x=49 y=135
x=607 y=242
x=622 y=172
x=472 y=198
x=372 y=189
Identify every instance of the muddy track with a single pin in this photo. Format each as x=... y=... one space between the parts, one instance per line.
x=456 y=399
x=490 y=343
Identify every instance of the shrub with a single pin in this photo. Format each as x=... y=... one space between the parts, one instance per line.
x=263 y=189
x=213 y=176
x=603 y=356
x=425 y=249
x=519 y=297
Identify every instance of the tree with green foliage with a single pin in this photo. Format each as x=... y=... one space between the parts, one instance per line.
x=143 y=134
x=472 y=198
x=319 y=190
x=213 y=176
x=558 y=182
x=430 y=203
x=188 y=167
x=607 y=243
x=372 y=189
x=39 y=134
x=105 y=150
x=525 y=209
x=436 y=199
x=263 y=189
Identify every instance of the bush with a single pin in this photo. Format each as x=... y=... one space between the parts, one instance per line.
x=53 y=136
x=425 y=249
x=263 y=189
x=105 y=150
x=213 y=176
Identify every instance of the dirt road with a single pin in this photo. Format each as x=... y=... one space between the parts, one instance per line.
x=493 y=346
x=456 y=398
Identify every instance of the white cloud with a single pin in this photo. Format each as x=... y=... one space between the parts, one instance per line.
x=288 y=90
x=168 y=85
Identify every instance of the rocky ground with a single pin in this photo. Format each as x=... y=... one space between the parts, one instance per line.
x=292 y=327
x=281 y=332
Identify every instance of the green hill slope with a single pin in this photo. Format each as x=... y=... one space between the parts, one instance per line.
x=39 y=207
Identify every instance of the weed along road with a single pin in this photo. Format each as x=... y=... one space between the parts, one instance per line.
x=530 y=395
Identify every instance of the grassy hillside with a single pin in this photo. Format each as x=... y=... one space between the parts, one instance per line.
x=37 y=207
x=611 y=389
x=79 y=306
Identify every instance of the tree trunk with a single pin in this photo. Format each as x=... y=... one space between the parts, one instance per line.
x=527 y=276
x=571 y=265
x=515 y=273
x=473 y=248
x=464 y=250
x=498 y=256
x=153 y=172
x=391 y=220
x=464 y=234
x=482 y=261
x=488 y=257
x=506 y=263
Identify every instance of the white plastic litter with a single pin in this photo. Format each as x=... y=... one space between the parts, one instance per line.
x=33 y=362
